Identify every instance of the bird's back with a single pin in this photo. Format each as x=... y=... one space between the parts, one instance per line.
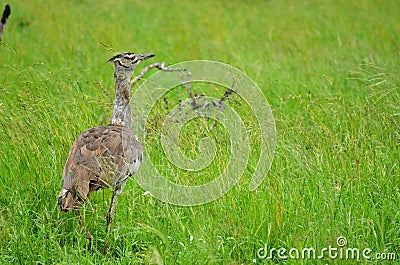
x=100 y=157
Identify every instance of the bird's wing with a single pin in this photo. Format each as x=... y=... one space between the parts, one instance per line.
x=99 y=156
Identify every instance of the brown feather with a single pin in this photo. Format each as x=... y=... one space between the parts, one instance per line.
x=104 y=156
x=100 y=157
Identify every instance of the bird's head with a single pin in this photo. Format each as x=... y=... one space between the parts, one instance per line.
x=125 y=63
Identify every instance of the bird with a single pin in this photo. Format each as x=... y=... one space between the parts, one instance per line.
x=105 y=156
x=4 y=17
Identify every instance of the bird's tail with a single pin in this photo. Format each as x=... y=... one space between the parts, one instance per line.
x=66 y=200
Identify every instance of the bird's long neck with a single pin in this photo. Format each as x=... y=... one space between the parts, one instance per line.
x=122 y=110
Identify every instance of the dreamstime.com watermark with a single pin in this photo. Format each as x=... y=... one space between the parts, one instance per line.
x=154 y=89
x=338 y=252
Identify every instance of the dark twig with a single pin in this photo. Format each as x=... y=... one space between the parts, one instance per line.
x=166 y=103
x=220 y=104
x=160 y=66
x=195 y=101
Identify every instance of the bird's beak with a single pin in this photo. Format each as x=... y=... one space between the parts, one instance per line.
x=143 y=57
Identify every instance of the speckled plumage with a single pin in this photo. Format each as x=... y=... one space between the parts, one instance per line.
x=100 y=157
x=105 y=156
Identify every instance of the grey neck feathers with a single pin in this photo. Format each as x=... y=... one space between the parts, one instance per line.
x=122 y=110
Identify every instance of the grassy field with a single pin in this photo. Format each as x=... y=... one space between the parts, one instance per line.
x=329 y=69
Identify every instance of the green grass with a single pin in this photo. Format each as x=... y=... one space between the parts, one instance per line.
x=329 y=69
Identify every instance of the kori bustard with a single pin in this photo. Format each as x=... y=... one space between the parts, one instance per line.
x=106 y=156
